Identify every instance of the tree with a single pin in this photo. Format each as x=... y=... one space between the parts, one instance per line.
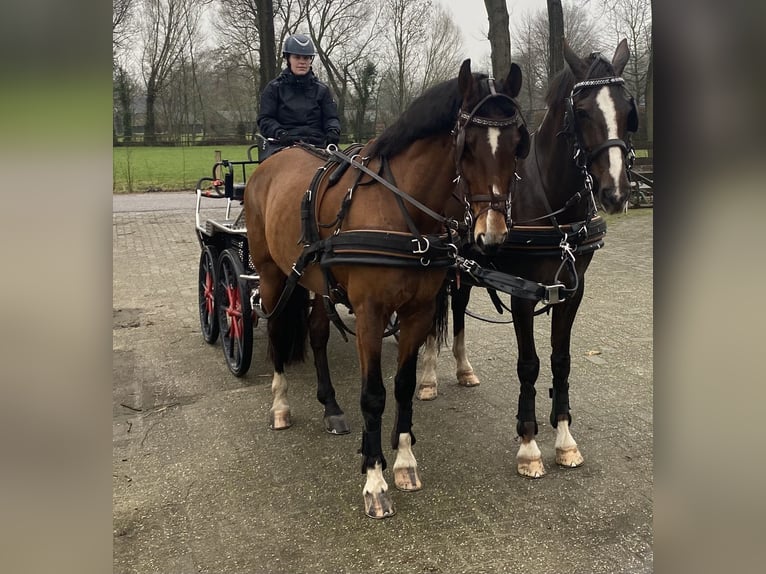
x=499 y=37
x=632 y=19
x=266 y=46
x=124 y=97
x=442 y=50
x=582 y=32
x=555 y=37
x=408 y=20
x=122 y=20
x=342 y=32
x=165 y=36
x=364 y=82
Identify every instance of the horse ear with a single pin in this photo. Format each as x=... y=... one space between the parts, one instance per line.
x=578 y=67
x=465 y=79
x=621 y=55
x=512 y=83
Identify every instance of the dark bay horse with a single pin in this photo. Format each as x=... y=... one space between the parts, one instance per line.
x=455 y=144
x=579 y=159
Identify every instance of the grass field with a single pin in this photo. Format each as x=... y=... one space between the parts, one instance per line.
x=139 y=169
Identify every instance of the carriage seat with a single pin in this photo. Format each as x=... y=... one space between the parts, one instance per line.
x=238 y=191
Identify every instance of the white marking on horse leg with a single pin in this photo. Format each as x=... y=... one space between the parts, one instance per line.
x=606 y=105
x=567 y=453
x=493 y=135
x=406 y=467
x=280 y=408
x=465 y=374
x=375 y=482
x=377 y=503
x=427 y=388
x=529 y=460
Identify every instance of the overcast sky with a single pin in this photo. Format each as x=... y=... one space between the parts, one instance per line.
x=471 y=17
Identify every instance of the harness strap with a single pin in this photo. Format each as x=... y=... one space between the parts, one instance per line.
x=449 y=223
x=516 y=286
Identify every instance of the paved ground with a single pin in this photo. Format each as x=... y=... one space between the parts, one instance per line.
x=200 y=484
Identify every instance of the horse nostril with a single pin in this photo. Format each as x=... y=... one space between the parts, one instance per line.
x=480 y=241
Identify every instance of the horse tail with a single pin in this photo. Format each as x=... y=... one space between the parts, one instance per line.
x=288 y=331
x=440 y=317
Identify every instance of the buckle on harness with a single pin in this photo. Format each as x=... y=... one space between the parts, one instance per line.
x=553 y=294
x=468 y=265
x=417 y=248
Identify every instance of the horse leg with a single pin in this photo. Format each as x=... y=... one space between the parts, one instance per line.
x=427 y=387
x=529 y=459
x=287 y=337
x=370 y=324
x=402 y=439
x=567 y=453
x=465 y=375
x=319 y=333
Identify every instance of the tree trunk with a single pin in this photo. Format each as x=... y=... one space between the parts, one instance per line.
x=499 y=37
x=266 y=49
x=150 y=136
x=649 y=99
x=555 y=37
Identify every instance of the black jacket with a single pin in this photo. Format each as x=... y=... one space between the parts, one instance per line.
x=301 y=105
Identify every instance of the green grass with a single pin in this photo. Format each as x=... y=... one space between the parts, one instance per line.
x=139 y=169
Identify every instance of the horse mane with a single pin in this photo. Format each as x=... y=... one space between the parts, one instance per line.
x=561 y=85
x=433 y=112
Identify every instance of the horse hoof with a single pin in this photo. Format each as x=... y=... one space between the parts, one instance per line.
x=336 y=424
x=378 y=505
x=468 y=379
x=426 y=392
x=569 y=457
x=530 y=468
x=407 y=479
x=280 y=420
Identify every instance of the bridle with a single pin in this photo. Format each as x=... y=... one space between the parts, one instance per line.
x=494 y=202
x=583 y=156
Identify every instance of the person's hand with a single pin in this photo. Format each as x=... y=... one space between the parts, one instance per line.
x=333 y=137
x=284 y=138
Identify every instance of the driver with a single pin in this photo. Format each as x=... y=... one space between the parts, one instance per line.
x=296 y=106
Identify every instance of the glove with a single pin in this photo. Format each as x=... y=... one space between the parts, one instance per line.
x=284 y=138
x=333 y=137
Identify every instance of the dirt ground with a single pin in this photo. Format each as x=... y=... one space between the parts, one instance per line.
x=200 y=483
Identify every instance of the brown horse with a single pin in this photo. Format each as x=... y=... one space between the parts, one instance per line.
x=457 y=142
x=579 y=158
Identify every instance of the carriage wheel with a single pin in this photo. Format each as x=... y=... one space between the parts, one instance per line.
x=211 y=187
x=234 y=313
x=208 y=316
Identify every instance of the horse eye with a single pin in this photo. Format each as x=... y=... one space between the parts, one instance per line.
x=581 y=114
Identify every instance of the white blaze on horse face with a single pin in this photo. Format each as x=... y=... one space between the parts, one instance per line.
x=493 y=135
x=606 y=105
x=495 y=225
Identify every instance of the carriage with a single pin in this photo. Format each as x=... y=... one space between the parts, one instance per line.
x=228 y=282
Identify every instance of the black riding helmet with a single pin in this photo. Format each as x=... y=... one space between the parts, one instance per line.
x=299 y=44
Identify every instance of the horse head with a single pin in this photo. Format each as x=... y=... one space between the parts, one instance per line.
x=490 y=134
x=600 y=114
